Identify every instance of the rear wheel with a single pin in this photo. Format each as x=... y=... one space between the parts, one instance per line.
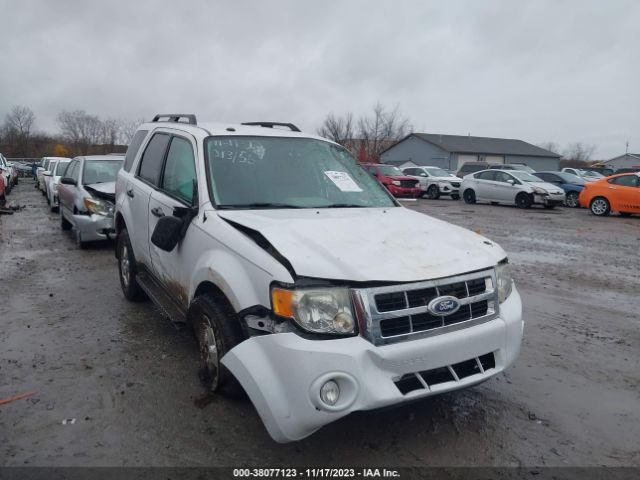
x=433 y=192
x=469 y=196
x=217 y=330
x=572 y=200
x=523 y=200
x=127 y=268
x=600 y=206
x=455 y=196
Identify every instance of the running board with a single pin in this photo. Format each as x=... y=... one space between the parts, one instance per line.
x=167 y=306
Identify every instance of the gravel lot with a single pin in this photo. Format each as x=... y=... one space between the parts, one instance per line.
x=129 y=378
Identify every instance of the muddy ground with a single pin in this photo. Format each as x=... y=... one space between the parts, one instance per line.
x=129 y=379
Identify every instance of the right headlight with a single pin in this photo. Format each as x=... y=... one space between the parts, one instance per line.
x=504 y=280
x=323 y=310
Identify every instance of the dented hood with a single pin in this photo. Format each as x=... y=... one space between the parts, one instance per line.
x=369 y=244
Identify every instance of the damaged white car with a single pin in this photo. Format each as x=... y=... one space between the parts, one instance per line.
x=283 y=255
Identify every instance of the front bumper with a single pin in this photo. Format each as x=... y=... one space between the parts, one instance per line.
x=552 y=199
x=282 y=373
x=449 y=189
x=94 y=227
x=396 y=191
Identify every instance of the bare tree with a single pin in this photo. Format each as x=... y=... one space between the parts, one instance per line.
x=579 y=153
x=17 y=129
x=338 y=129
x=81 y=129
x=128 y=129
x=380 y=130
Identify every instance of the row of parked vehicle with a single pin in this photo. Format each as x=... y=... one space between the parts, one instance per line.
x=9 y=174
x=515 y=184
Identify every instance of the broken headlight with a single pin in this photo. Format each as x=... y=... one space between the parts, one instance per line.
x=326 y=310
x=504 y=280
x=99 y=207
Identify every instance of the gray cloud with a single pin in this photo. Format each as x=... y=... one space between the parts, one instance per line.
x=563 y=71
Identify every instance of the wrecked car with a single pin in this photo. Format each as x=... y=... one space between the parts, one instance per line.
x=281 y=252
x=86 y=197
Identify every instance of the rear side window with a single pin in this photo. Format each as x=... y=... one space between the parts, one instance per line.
x=626 y=181
x=134 y=146
x=152 y=158
x=488 y=175
x=179 y=170
x=72 y=170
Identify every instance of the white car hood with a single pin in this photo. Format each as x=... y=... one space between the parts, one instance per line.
x=369 y=244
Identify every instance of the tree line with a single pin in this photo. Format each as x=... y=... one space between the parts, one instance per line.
x=79 y=133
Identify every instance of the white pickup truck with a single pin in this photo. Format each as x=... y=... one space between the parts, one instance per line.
x=305 y=281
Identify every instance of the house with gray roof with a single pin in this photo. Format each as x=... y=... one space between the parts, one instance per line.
x=452 y=151
x=628 y=160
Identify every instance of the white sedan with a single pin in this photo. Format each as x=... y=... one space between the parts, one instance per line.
x=434 y=181
x=512 y=187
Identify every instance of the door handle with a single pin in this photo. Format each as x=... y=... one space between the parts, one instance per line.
x=157 y=211
x=130 y=193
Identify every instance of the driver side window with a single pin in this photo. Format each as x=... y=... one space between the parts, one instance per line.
x=180 y=170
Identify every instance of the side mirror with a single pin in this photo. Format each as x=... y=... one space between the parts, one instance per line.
x=167 y=233
x=68 y=181
x=511 y=181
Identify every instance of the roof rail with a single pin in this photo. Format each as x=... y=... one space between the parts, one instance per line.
x=290 y=126
x=175 y=117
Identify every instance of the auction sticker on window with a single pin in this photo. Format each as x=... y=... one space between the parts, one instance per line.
x=343 y=181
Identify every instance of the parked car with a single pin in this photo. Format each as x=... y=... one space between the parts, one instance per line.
x=56 y=175
x=604 y=171
x=472 y=167
x=588 y=175
x=283 y=255
x=7 y=173
x=435 y=181
x=47 y=177
x=86 y=196
x=571 y=184
x=392 y=178
x=618 y=193
x=40 y=173
x=513 y=187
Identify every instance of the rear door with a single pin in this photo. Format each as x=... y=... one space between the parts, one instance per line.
x=176 y=188
x=625 y=193
x=139 y=192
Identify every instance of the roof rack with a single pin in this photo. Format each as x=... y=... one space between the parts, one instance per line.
x=175 y=117
x=290 y=126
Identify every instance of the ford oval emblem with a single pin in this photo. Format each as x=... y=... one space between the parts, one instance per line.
x=444 y=305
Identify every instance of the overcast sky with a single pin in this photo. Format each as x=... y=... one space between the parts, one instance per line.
x=562 y=71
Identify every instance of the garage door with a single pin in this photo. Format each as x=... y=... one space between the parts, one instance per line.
x=494 y=159
x=462 y=159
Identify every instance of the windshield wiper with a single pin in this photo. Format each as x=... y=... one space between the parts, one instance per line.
x=250 y=206
x=340 y=205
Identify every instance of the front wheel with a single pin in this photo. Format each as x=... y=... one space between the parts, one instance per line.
x=128 y=269
x=469 y=196
x=455 y=196
x=523 y=200
x=600 y=206
x=572 y=200
x=217 y=330
x=433 y=192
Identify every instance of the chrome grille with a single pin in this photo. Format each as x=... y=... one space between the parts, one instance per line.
x=397 y=313
x=455 y=184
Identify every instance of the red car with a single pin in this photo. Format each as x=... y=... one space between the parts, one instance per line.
x=394 y=180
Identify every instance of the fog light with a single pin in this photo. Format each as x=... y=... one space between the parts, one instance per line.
x=330 y=392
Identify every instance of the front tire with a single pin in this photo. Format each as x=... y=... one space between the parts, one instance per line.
x=127 y=268
x=571 y=200
x=217 y=330
x=469 y=196
x=455 y=196
x=433 y=192
x=523 y=200
x=600 y=207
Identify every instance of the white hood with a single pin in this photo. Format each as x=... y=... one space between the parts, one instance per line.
x=369 y=244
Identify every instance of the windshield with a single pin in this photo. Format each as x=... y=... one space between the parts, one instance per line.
x=390 y=171
x=438 y=172
x=60 y=168
x=100 y=171
x=524 y=176
x=276 y=172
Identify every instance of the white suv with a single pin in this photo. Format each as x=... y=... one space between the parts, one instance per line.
x=282 y=253
x=434 y=181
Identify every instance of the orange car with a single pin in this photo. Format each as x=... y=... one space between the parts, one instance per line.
x=619 y=193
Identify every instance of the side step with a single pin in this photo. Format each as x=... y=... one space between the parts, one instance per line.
x=168 y=307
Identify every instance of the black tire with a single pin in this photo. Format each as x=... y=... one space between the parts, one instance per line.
x=64 y=223
x=128 y=269
x=215 y=323
x=571 y=200
x=469 y=196
x=549 y=207
x=433 y=192
x=523 y=200
x=600 y=207
x=455 y=196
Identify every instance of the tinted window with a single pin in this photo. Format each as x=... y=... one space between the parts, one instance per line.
x=179 y=170
x=134 y=146
x=503 y=177
x=151 y=163
x=548 y=177
x=627 y=181
x=485 y=175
